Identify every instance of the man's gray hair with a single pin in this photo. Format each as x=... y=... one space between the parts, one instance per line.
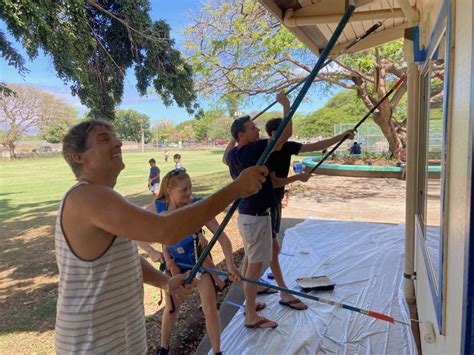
x=75 y=141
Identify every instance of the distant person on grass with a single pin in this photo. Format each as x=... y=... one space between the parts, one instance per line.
x=254 y=219
x=154 y=177
x=166 y=155
x=100 y=296
x=176 y=192
x=177 y=161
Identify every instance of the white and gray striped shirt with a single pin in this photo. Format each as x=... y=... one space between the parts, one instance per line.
x=100 y=303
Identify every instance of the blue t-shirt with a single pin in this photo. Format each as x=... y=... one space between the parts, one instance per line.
x=183 y=251
x=154 y=171
x=242 y=158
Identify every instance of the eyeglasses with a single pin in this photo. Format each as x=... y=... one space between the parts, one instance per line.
x=177 y=171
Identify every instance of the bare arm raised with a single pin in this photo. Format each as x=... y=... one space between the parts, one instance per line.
x=326 y=143
x=94 y=213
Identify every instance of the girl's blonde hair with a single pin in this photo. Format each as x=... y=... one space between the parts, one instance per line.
x=169 y=182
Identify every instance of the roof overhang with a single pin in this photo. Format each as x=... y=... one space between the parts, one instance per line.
x=314 y=21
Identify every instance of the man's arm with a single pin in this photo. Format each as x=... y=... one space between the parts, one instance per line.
x=154 y=254
x=326 y=143
x=174 y=285
x=280 y=182
x=153 y=277
x=229 y=147
x=283 y=100
x=103 y=208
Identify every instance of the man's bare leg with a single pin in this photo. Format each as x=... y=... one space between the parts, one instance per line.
x=251 y=317
x=278 y=275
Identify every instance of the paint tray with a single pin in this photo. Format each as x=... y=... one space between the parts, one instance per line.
x=315 y=283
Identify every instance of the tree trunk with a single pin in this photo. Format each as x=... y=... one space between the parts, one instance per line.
x=394 y=131
x=11 y=147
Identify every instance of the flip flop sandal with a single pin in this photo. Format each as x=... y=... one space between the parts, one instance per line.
x=267 y=291
x=259 y=306
x=260 y=324
x=292 y=304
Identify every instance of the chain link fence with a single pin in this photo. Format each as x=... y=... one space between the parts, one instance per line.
x=371 y=139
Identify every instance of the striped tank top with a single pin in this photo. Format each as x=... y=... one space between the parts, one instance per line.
x=100 y=303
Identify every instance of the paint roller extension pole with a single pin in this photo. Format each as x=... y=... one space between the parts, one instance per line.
x=397 y=84
x=366 y=312
x=263 y=158
x=349 y=46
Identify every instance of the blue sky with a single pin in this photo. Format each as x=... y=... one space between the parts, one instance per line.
x=42 y=74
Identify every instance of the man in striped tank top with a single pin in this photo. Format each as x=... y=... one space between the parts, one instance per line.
x=100 y=298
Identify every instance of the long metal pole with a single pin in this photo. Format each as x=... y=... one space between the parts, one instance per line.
x=367 y=312
x=271 y=143
x=329 y=61
x=397 y=84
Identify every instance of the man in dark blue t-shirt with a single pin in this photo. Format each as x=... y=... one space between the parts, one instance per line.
x=154 y=177
x=254 y=213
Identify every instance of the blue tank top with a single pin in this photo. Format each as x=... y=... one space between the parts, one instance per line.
x=184 y=250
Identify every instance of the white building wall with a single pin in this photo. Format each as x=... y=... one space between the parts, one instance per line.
x=457 y=197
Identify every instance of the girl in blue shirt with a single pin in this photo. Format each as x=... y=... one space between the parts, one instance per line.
x=176 y=192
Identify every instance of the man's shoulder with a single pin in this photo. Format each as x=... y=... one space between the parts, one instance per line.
x=89 y=194
x=290 y=148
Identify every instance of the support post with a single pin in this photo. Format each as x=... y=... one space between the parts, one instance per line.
x=411 y=177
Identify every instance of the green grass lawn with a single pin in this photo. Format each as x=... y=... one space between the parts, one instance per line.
x=37 y=185
x=30 y=192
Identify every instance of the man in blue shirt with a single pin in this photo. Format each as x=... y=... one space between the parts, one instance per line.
x=254 y=213
x=154 y=177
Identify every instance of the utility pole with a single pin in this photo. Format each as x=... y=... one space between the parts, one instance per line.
x=142 y=132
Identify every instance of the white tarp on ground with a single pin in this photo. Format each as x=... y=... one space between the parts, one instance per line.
x=365 y=260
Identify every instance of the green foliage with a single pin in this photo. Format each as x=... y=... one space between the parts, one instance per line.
x=92 y=44
x=31 y=109
x=209 y=125
x=162 y=131
x=184 y=132
x=56 y=130
x=342 y=108
x=129 y=125
x=235 y=47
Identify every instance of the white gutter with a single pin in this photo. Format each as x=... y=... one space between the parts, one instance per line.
x=294 y=21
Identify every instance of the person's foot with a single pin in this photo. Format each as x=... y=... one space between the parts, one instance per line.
x=259 y=306
x=292 y=302
x=162 y=351
x=261 y=323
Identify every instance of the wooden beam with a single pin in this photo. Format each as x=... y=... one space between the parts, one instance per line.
x=374 y=39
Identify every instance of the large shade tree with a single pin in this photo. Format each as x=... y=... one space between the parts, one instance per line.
x=92 y=43
x=238 y=48
x=32 y=110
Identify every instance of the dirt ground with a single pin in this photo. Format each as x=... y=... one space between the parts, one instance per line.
x=29 y=287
